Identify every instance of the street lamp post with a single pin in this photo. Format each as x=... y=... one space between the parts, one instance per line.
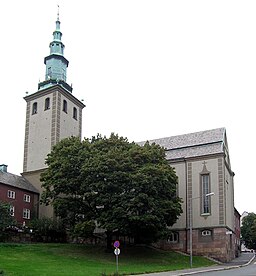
x=191 y=227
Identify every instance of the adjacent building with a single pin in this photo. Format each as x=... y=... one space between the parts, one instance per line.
x=22 y=196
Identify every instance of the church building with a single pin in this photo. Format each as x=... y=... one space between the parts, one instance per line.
x=209 y=224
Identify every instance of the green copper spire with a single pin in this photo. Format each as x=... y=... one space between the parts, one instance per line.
x=56 y=63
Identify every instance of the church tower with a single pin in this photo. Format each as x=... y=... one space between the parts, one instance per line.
x=52 y=113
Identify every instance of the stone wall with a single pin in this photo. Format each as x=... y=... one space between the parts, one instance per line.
x=219 y=245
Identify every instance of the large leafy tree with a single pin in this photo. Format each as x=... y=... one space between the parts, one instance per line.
x=248 y=231
x=123 y=186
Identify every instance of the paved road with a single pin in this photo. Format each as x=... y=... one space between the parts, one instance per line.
x=248 y=270
x=246 y=260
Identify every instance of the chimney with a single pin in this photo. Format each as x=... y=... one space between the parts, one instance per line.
x=3 y=168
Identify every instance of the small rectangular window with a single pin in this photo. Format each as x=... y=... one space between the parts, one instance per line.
x=26 y=198
x=11 y=194
x=65 y=106
x=47 y=104
x=173 y=237
x=34 y=108
x=26 y=213
x=75 y=113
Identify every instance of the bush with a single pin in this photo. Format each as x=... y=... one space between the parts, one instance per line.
x=6 y=220
x=48 y=230
x=84 y=229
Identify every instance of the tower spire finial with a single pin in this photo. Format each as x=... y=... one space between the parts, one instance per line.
x=56 y=63
x=58 y=13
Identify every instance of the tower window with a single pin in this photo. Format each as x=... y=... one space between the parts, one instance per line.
x=65 y=106
x=47 y=104
x=75 y=113
x=49 y=72
x=34 y=108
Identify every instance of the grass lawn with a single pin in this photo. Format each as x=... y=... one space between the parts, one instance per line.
x=73 y=259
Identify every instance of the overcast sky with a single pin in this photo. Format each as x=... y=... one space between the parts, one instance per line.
x=145 y=69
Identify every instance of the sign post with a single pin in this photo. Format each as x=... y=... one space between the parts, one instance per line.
x=116 y=252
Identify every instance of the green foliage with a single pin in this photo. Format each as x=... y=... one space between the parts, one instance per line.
x=6 y=220
x=248 y=231
x=48 y=230
x=121 y=185
x=84 y=229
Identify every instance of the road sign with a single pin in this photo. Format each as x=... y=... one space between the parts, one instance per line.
x=117 y=251
x=116 y=244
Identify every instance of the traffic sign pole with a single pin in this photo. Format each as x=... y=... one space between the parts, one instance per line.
x=117 y=252
x=117 y=264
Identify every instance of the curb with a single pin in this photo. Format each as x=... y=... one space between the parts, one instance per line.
x=215 y=269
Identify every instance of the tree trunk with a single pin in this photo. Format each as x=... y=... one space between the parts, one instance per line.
x=109 y=240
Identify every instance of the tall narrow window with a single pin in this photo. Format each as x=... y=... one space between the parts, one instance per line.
x=49 y=72
x=75 y=113
x=205 y=188
x=63 y=74
x=65 y=106
x=34 y=108
x=47 y=103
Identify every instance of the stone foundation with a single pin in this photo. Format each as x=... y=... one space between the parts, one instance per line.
x=219 y=245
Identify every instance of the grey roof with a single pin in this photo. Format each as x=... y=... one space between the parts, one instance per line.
x=17 y=181
x=192 y=144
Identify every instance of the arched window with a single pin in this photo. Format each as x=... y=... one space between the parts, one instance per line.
x=47 y=104
x=65 y=106
x=173 y=237
x=206 y=233
x=34 y=108
x=75 y=113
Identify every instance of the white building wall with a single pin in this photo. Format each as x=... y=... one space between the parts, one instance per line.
x=180 y=169
x=200 y=220
x=39 y=135
x=47 y=127
x=229 y=195
x=68 y=125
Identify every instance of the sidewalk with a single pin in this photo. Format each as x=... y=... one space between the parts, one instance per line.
x=243 y=260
